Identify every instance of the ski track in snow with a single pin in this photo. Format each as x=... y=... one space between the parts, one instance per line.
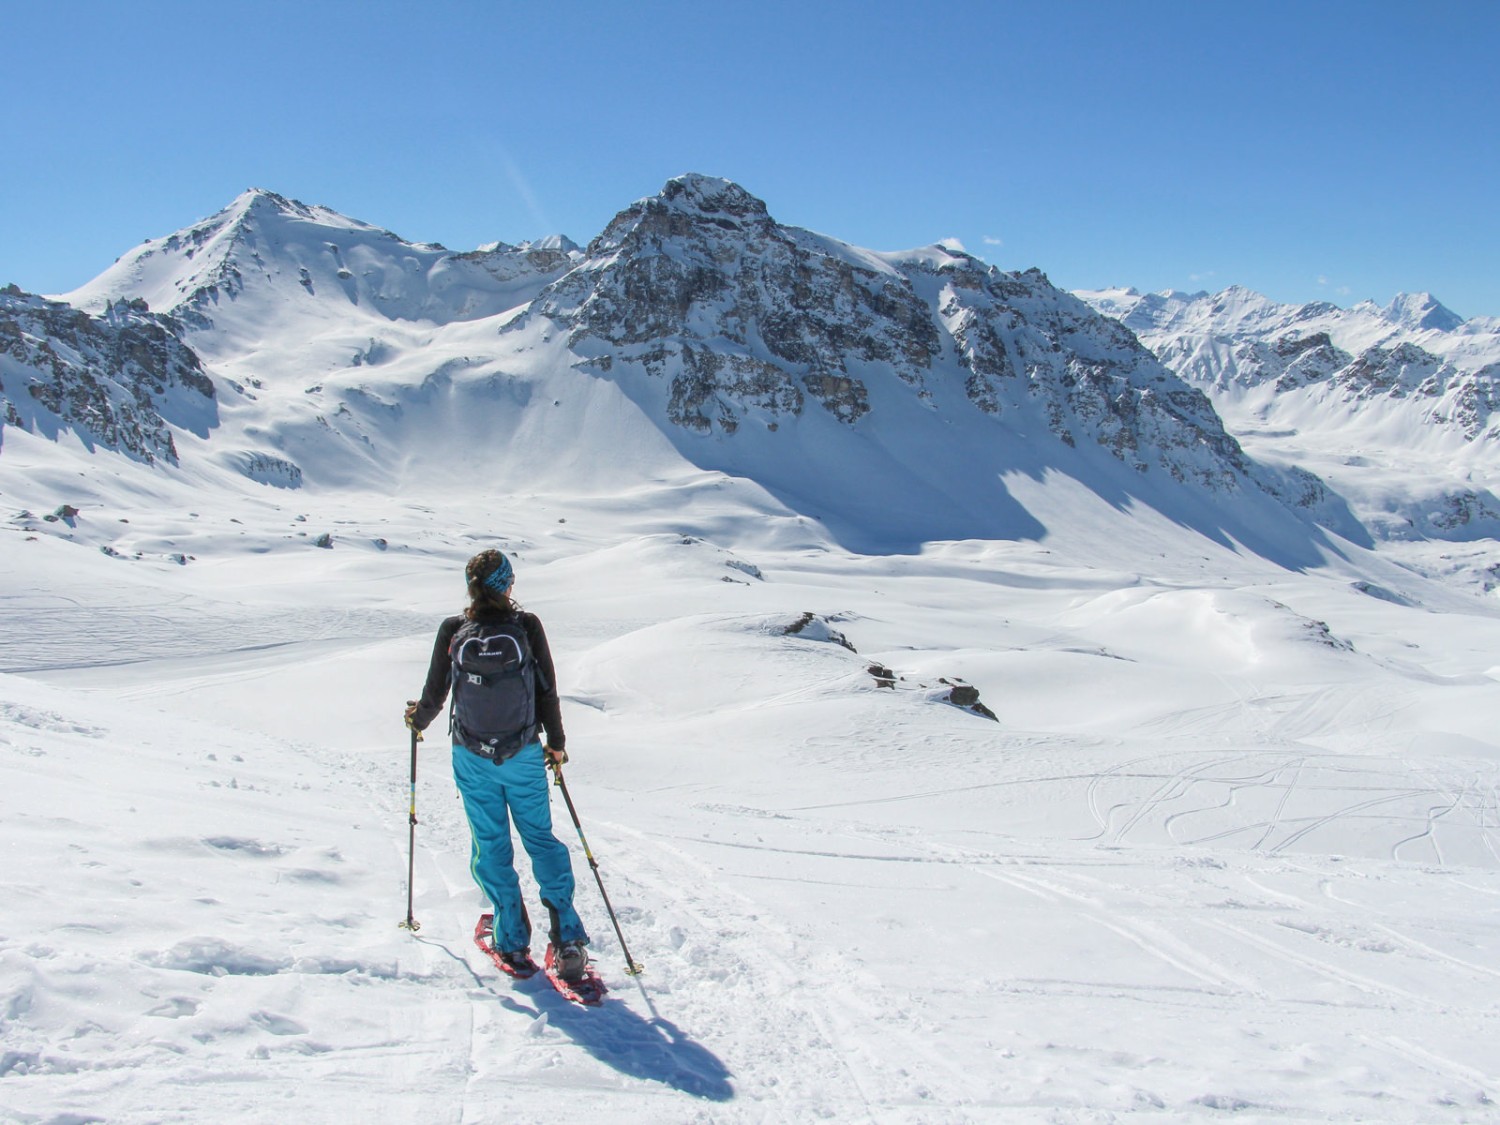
x=1229 y=852
x=1261 y=895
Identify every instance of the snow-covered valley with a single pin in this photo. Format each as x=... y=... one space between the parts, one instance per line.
x=1230 y=846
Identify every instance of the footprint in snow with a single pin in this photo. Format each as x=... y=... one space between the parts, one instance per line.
x=243 y=845
x=175 y=1008
x=276 y=1024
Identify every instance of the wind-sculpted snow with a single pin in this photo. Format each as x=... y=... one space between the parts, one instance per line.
x=1228 y=843
x=47 y=633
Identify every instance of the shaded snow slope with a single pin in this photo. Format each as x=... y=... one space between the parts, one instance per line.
x=1226 y=842
x=894 y=397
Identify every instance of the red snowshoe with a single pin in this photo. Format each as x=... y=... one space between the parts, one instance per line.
x=517 y=964
x=571 y=974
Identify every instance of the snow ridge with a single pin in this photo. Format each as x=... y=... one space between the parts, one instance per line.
x=752 y=348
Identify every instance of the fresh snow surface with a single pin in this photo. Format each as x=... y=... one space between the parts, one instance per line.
x=1232 y=849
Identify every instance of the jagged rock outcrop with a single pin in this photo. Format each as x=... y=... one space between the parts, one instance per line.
x=1413 y=348
x=700 y=285
x=1024 y=343
x=266 y=468
x=118 y=378
x=740 y=318
x=893 y=395
x=813 y=627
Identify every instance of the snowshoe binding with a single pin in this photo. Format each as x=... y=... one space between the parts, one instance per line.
x=515 y=963
x=567 y=967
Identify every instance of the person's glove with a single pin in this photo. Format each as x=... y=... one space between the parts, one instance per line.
x=410 y=717
x=555 y=758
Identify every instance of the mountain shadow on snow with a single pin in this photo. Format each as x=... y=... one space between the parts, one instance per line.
x=895 y=398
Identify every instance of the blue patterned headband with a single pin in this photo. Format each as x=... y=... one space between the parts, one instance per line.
x=501 y=578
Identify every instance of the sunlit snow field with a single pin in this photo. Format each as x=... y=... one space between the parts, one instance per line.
x=1232 y=848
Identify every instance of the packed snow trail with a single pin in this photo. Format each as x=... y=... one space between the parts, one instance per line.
x=1207 y=861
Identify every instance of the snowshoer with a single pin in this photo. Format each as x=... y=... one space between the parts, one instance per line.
x=494 y=657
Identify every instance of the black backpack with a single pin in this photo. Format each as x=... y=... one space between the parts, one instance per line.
x=494 y=688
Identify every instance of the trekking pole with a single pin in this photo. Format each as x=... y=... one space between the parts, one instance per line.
x=411 y=845
x=632 y=966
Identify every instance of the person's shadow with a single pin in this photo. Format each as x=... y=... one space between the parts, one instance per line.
x=655 y=1048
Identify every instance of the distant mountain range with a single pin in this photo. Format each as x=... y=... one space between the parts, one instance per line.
x=1237 y=338
x=1396 y=406
x=898 y=397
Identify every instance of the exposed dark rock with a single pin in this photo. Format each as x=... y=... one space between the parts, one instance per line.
x=817 y=628
x=966 y=696
x=111 y=376
x=269 y=469
x=745 y=318
x=757 y=317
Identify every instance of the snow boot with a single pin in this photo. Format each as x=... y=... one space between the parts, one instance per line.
x=572 y=962
x=581 y=984
x=514 y=962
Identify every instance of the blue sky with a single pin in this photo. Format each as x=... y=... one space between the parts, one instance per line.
x=1310 y=150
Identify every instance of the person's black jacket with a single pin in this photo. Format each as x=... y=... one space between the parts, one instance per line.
x=440 y=677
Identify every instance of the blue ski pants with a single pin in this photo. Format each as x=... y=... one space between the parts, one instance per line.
x=494 y=796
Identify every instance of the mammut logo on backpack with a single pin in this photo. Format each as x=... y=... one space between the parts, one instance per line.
x=494 y=688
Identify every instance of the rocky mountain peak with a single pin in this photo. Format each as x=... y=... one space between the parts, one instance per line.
x=711 y=195
x=260 y=201
x=1420 y=312
x=557 y=242
x=265 y=250
x=687 y=205
x=697 y=299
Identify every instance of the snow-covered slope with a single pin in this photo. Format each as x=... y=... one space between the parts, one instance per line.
x=1230 y=846
x=264 y=248
x=898 y=398
x=1395 y=406
x=897 y=394
x=1225 y=843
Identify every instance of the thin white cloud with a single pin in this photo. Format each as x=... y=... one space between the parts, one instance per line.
x=1202 y=276
x=528 y=197
x=991 y=240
